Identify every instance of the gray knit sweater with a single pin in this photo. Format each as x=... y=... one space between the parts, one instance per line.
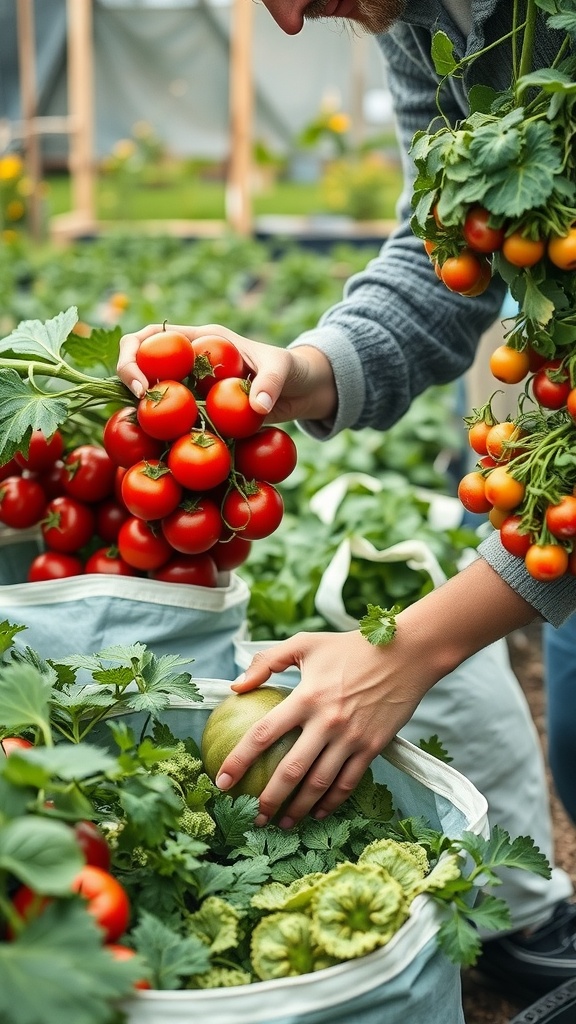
x=398 y=330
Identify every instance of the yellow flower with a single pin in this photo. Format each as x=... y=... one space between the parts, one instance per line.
x=9 y=236
x=124 y=149
x=338 y=123
x=11 y=166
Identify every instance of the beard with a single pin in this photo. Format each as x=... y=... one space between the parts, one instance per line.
x=374 y=16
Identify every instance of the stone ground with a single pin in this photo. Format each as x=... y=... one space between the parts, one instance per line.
x=481 y=1005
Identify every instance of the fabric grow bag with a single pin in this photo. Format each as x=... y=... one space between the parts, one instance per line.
x=85 y=614
x=408 y=981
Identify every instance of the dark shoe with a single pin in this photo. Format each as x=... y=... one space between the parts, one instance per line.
x=537 y=963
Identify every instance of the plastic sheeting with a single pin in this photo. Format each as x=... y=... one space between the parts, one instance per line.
x=167 y=63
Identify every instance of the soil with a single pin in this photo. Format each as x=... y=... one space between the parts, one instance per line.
x=481 y=1004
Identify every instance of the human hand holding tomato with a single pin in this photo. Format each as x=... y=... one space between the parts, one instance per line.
x=286 y=384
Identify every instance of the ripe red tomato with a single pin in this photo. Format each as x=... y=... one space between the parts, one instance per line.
x=214 y=359
x=167 y=410
x=10 y=468
x=200 y=460
x=143 y=545
x=230 y=552
x=477 y=232
x=270 y=454
x=11 y=744
x=521 y=251
x=89 y=473
x=513 y=540
x=120 y=952
x=545 y=562
x=68 y=524
x=93 y=844
x=194 y=527
x=483 y=281
x=108 y=562
x=551 y=394
x=110 y=515
x=52 y=481
x=461 y=273
x=54 y=565
x=562 y=250
x=166 y=354
x=193 y=570
x=561 y=518
x=257 y=513
x=228 y=408
x=503 y=490
x=107 y=900
x=509 y=365
x=42 y=452
x=149 y=490
x=126 y=442
x=22 y=502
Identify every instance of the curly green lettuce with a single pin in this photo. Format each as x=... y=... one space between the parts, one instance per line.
x=406 y=862
x=356 y=909
x=216 y=923
x=282 y=946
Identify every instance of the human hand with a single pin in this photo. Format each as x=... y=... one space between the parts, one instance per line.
x=351 y=701
x=286 y=384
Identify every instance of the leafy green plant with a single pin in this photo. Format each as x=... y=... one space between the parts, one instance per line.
x=208 y=890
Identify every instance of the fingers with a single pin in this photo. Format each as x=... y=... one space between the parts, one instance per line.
x=269 y=364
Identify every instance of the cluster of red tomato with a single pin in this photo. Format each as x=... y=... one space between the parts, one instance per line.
x=469 y=270
x=498 y=487
x=180 y=486
x=106 y=898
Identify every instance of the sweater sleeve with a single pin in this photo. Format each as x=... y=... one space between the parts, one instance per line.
x=554 y=601
x=398 y=329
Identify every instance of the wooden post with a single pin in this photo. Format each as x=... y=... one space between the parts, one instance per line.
x=238 y=185
x=81 y=109
x=29 y=100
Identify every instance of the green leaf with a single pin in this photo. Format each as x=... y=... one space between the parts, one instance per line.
x=44 y=340
x=65 y=761
x=41 y=853
x=23 y=410
x=529 y=182
x=535 y=305
x=434 y=746
x=378 y=626
x=481 y=99
x=443 y=54
x=498 y=851
x=58 y=970
x=458 y=938
x=99 y=349
x=490 y=913
x=170 y=957
x=7 y=633
x=24 y=697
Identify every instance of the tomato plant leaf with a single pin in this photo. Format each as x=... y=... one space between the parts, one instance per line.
x=443 y=54
x=42 y=854
x=99 y=349
x=58 y=970
x=23 y=409
x=66 y=761
x=7 y=633
x=528 y=182
x=41 y=339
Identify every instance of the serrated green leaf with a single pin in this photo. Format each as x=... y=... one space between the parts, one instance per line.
x=99 y=349
x=45 y=340
x=434 y=746
x=67 y=761
x=171 y=957
x=499 y=851
x=536 y=305
x=378 y=626
x=490 y=913
x=459 y=939
x=7 y=633
x=443 y=54
x=23 y=410
x=529 y=182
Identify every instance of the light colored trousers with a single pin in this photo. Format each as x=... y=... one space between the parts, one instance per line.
x=481 y=716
